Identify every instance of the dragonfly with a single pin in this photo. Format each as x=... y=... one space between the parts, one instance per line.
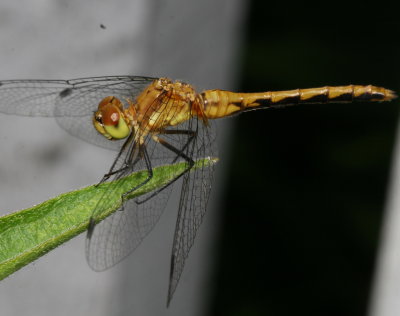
x=150 y=122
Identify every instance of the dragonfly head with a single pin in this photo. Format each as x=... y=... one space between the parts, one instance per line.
x=110 y=120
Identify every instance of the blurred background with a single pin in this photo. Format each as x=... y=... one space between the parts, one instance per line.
x=306 y=187
x=299 y=200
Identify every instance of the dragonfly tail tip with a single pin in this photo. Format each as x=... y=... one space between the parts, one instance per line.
x=390 y=95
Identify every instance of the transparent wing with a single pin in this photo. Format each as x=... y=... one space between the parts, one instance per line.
x=121 y=233
x=117 y=236
x=195 y=193
x=72 y=102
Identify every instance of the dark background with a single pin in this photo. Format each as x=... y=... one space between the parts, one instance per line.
x=304 y=201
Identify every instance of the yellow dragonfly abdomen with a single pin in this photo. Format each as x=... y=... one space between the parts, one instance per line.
x=220 y=103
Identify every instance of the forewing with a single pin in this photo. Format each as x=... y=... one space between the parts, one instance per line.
x=31 y=97
x=117 y=236
x=72 y=102
x=195 y=193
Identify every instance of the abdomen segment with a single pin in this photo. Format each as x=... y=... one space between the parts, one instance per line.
x=219 y=103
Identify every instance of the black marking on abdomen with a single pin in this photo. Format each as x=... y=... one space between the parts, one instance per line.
x=318 y=98
x=345 y=97
x=376 y=96
x=238 y=104
x=288 y=100
x=265 y=103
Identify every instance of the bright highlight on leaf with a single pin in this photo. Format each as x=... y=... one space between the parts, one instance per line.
x=28 y=234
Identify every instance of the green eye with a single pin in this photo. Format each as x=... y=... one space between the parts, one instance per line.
x=118 y=131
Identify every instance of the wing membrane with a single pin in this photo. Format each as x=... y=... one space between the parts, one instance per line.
x=118 y=235
x=195 y=193
x=72 y=102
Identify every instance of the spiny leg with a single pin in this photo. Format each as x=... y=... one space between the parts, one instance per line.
x=143 y=154
x=178 y=152
x=147 y=161
x=126 y=166
x=190 y=133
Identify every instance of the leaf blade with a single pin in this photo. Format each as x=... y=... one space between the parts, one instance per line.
x=28 y=234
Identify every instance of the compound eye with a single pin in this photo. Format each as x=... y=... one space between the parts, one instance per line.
x=115 y=124
x=110 y=121
x=110 y=115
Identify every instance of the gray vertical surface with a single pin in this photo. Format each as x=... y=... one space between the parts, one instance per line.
x=385 y=300
x=196 y=41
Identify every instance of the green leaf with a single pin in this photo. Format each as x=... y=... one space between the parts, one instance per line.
x=28 y=234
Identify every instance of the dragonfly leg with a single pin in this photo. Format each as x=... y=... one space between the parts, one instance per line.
x=191 y=136
x=143 y=155
x=148 y=167
x=179 y=153
x=111 y=172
